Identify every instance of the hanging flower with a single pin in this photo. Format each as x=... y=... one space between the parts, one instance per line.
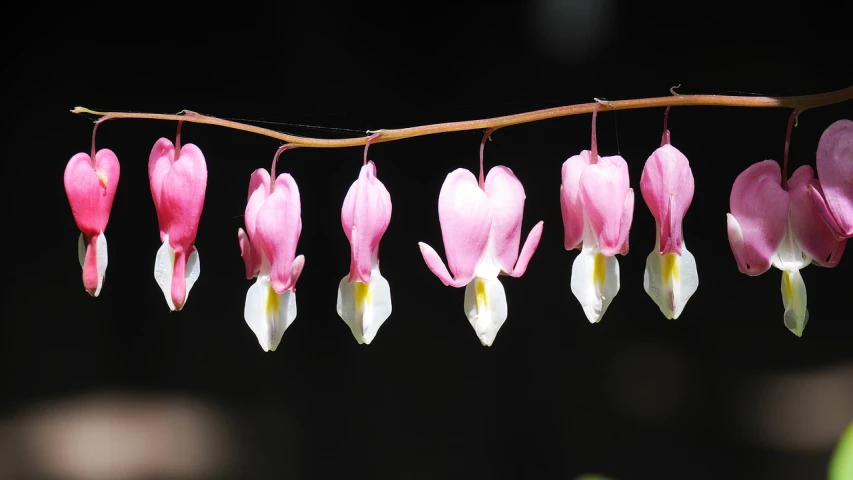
x=268 y=246
x=597 y=204
x=481 y=229
x=670 y=277
x=90 y=184
x=178 y=178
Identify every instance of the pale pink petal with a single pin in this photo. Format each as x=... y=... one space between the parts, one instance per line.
x=506 y=195
x=436 y=266
x=527 y=250
x=259 y=187
x=627 y=220
x=816 y=193
x=667 y=187
x=604 y=190
x=810 y=231
x=760 y=207
x=277 y=230
x=251 y=256
x=160 y=162
x=91 y=189
x=571 y=205
x=465 y=215
x=365 y=216
x=835 y=171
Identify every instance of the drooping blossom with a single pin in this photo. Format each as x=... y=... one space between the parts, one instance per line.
x=834 y=196
x=667 y=185
x=90 y=184
x=776 y=223
x=178 y=178
x=597 y=205
x=273 y=220
x=481 y=230
x=364 y=296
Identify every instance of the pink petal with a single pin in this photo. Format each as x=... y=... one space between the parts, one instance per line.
x=365 y=216
x=277 y=230
x=760 y=206
x=259 y=187
x=506 y=195
x=667 y=187
x=182 y=197
x=835 y=170
x=251 y=256
x=604 y=190
x=91 y=189
x=527 y=250
x=90 y=264
x=571 y=205
x=159 y=164
x=465 y=215
x=810 y=231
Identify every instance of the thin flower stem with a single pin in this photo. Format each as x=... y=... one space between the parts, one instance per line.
x=286 y=146
x=791 y=121
x=593 y=149
x=801 y=103
x=370 y=140
x=486 y=137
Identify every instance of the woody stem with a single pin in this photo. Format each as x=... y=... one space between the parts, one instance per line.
x=801 y=103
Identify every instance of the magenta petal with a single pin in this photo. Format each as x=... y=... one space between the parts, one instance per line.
x=604 y=190
x=810 y=231
x=506 y=195
x=465 y=215
x=365 y=216
x=835 y=170
x=527 y=250
x=277 y=230
x=182 y=197
x=760 y=206
x=159 y=164
x=667 y=187
x=91 y=189
x=90 y=264
x=571 y=205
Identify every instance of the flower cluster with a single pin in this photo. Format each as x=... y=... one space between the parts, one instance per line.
x=774 y=220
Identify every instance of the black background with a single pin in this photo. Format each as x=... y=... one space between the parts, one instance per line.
x=635 y=396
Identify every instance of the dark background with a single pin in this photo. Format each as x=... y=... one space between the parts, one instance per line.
x=726 y=391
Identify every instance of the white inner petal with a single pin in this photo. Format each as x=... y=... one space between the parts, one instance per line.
x=267 y=313
x=595 y=281
x=794 y=299
x=486 y=308
x=364 y=307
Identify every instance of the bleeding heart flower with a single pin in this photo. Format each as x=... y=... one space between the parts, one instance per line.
x=769 y=225
x=91 y=187
x=178 y=178
x=364 y=296
x=597 y=204
x=481 y=229
x=670 y=277
x=268 y=246
x=834 y=196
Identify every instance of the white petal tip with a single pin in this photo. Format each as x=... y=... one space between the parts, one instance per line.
x=486 y=308
x=364 y=307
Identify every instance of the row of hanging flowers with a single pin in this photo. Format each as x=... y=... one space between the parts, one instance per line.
x=774 y=220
